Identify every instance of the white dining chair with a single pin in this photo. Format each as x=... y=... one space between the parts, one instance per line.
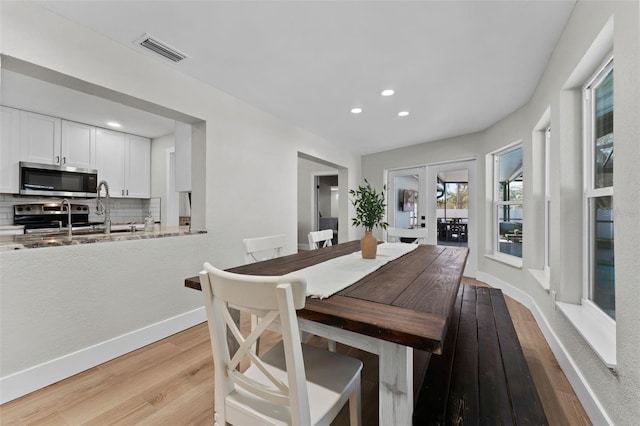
x=257 y=250
x=419 y=235
x=263 y=248
x=292 y=383
x=322 y=238
x=319 y=239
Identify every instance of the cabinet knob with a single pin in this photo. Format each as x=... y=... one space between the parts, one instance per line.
x=64 y=160
x=57 y=159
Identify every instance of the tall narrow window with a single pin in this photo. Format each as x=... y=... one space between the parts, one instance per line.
x=508 y=201
x=599 y=199
x=547 y=202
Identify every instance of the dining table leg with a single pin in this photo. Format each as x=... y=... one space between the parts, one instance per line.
x=396 y=384
x=395 y=365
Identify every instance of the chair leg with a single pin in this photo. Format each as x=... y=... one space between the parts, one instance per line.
x=355 y=402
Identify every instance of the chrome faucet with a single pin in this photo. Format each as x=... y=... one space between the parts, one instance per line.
x=100 y=208
x=65 y=201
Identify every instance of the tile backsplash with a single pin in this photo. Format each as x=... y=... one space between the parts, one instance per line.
x=123 y=210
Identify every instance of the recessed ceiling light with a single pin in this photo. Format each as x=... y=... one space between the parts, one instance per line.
x=113 y=124
x=356 y=110
x=403 y=113
x=387 y=92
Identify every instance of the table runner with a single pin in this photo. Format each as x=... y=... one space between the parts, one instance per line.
x=327 y=278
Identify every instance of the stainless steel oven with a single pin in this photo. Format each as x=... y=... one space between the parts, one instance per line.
x=49 y=180
x=50 y=217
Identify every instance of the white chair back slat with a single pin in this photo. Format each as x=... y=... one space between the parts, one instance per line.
x=319 y=239
x=263 y=248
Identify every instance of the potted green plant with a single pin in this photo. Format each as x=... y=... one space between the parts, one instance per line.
x=370 y=209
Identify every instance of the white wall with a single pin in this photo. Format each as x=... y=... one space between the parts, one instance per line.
x=607 y=397
x=58 y=303
x=246 y=174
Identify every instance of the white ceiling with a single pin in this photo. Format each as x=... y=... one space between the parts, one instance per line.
x=456 y=66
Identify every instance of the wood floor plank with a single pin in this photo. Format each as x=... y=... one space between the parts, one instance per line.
x=129 y=412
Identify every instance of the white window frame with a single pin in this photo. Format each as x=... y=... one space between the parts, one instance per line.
x=547 y=204
x=590 y=191
x=497 y=254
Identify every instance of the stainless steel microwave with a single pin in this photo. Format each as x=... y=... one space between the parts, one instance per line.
x=61 y=181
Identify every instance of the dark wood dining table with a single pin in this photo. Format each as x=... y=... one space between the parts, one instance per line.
x=400 y=308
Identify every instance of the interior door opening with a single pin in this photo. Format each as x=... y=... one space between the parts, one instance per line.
x=327 y=207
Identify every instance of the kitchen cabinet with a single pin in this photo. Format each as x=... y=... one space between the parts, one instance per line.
x=51 y=140
x=78 y=145
x=138 y=167
x=9 y=150
x=40 y=138
x=110 y=160
x=124 y=161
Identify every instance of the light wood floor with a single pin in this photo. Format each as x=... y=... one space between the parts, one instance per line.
x=170 y=382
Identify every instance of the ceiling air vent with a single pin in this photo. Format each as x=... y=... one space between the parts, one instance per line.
x=160 y=48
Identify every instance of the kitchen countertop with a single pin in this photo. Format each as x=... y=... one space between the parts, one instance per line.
x=30 y=241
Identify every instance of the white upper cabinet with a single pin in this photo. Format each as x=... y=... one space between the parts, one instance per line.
x=50 y=140
x=78 y=145
x=138 y=167
x=40 y=138
x=9 y=150
x=110 y=160
x=124 y=161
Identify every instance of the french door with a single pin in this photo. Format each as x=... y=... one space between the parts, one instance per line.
x=406 y=198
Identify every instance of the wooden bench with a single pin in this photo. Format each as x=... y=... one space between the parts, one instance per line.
x=482 y=376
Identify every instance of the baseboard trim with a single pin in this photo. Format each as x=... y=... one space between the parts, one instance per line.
x=26 y=381
x=585 y=394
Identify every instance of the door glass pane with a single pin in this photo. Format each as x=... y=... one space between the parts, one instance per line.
x=603 y=155
x=407 y=194
x=452 y=207
x=602 y=252
x=510 y=229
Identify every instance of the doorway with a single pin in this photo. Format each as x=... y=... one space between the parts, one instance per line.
x=326 y=207
x=451 y=218
x=326 y=204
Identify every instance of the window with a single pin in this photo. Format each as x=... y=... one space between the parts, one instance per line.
x=508 y=201
x=547 y=202
x=599 y=200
